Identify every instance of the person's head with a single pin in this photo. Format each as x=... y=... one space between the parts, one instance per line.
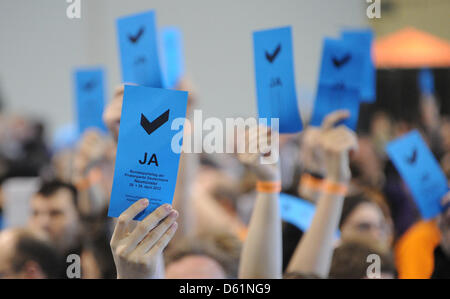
x=363 y=217
x=444 y=224
x=54 y=212
x=205 y=257
x=25 y=255
x=359 y=258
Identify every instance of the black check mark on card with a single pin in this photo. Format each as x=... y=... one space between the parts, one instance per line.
x=413 y=158
x=88 y=86
x=271 y=57
x=151 y=126
x=340 y=62
x=135 y=38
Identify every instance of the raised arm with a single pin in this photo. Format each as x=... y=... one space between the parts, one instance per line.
x=262 y=252
x=314 y=252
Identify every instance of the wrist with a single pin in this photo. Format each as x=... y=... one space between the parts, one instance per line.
x=334 y=188
x=264 y=186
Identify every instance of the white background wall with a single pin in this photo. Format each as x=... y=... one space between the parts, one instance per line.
x=39 y=47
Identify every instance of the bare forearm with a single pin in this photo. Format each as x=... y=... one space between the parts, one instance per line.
x=262 y=253
x=182 y=197
x=314 y=252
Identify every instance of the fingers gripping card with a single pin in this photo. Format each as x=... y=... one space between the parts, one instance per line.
x=138 y=46
x=146 y=163
x=275 y=80
x=329 y=99
x=90 y=98
x=420 y=171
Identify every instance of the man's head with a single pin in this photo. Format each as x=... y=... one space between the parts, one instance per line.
x=24 y=255
x=214 y=256
x=54 y=212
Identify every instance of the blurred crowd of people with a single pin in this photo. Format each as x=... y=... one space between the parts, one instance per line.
x=223 y=222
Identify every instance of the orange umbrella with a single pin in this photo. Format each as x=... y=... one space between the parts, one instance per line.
x=411 y=48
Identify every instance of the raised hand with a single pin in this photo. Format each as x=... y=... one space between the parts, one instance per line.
x=137 y=250
x=259 y=153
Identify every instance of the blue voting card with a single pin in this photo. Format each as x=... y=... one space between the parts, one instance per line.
x=146 y=165
x=172 y=57
x=329 y=99
x=275 y=80
x=420 y=171
x=362 y=39
x=342 y=65
x=426 y=81
x=296 y=211
x=90 y=98
x=138 y=45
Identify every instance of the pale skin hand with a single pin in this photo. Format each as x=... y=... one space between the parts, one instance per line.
x=313 y=254
x=261 y=256
x=259 y=137
x=312 y=154
x=137 y=251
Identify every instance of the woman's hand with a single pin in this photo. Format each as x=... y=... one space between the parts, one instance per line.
x=136 y=250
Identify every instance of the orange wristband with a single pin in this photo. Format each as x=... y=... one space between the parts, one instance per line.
x=334 y=188
x=311 y=182
x=268 y=187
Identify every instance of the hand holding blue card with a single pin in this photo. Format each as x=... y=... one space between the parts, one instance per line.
x=330 y=99
x=138 y=44
x=420 y=171
x=146 y=165
x=275 y=80
x=90 y=98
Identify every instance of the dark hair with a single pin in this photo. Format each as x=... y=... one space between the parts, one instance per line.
x=30 y=248
x=222 y=247
x=350 y=204
x=350 y=259
x=51 y=187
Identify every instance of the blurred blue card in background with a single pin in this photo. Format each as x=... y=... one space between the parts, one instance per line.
x=172 y=58
x=138 y=44
x=90 y=98
x=329 y=99
x=426 y=81
x=342 y=64
x=420 y=171
x=363 y=40
x=275 y=80
x=296 y=211
x=146 y=166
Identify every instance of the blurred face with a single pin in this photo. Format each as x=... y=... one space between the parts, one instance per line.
x=365 y=220
x=57 y=217
x=195 y=267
